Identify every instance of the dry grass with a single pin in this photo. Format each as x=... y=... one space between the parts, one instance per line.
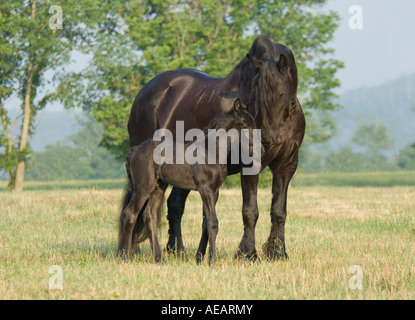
x=328 y=230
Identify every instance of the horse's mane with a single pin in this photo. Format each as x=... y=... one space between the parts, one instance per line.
x=264 y=91
x=263 y=95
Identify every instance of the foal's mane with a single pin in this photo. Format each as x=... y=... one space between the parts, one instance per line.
x=220 y=120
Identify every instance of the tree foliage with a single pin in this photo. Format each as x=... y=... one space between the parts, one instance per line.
x=148 y=37
x=365 y=153
x=375 y=137
x=34 y=44
x=406 y=158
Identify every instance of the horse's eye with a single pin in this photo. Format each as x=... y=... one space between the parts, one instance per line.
x=281 y=94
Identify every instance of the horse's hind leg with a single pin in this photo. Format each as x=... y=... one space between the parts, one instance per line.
x=128 y=220
x=135 y=246
x=203 y=241
x=151 y=220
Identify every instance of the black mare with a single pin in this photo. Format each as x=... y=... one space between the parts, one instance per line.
x=266 y=81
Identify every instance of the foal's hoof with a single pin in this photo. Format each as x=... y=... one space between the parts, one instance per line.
x=199 y=258
x=122 y=255
x=170 y=250
x=180 y=252
x=135 y=250
x=212 y=263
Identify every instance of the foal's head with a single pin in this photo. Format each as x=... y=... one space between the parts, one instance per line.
x=236 y=118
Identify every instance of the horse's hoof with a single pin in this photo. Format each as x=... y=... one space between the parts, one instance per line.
x=275 y=252
x=251 y=256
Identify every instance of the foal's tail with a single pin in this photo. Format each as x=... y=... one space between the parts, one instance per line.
x=126 y=198
x=129 y=188
x=140 y=231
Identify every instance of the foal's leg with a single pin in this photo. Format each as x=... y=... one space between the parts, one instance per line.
x=203 y=240
x=151 y=213
x=209 y=199
x=135 y=246
x=129 y=218
x=175 y=204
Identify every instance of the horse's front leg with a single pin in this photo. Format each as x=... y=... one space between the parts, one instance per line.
x=274 y=248
x=250 y=217
x=175 y=205
x=210 y=224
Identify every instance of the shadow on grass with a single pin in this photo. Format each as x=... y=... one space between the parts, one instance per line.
x=85 y=253
x=70 y=185
x=89 y=252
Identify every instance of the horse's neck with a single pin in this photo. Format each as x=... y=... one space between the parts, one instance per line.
x=239 y=80
x=232 y=79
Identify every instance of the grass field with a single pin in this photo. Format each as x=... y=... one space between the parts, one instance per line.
x=368 y=221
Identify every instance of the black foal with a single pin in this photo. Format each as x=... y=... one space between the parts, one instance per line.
x=150 y=181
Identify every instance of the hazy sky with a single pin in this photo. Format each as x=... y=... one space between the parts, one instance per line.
x=383 y=50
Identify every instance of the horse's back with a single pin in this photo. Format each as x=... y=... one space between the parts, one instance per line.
x=186 y=95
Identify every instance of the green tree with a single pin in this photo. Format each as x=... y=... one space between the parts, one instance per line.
x=150 y=37
x=374 y=137
x=9 y=154
x=346 y=161
x=40 y=37
x=406 y=158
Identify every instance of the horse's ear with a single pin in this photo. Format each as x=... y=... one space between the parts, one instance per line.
x=283 y=63
x=237 y=106
x=255 y=62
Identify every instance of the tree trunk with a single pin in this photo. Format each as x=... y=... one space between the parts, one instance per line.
x=21 y=166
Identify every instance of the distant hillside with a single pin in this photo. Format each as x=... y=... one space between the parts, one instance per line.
x=50 y=127
x=53 y=126
x=392 y=104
